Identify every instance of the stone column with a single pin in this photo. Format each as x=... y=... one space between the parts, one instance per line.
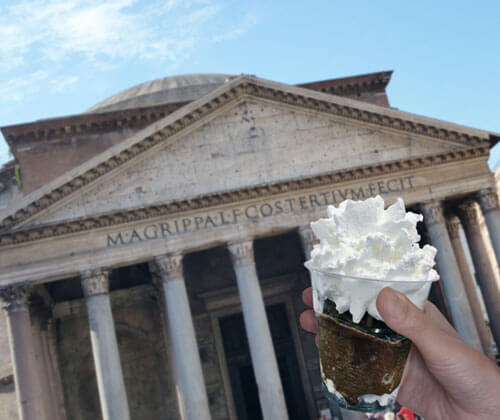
x=488 y=201
x=112 y=394
x=265 y=366
x=451 y=278
x=453 y=225
x=42 y=328
x=470 y=214
x=308 y=239
x=192 y=393
x=29 y=389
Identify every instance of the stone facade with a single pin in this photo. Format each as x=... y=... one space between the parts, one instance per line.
x=200 y=207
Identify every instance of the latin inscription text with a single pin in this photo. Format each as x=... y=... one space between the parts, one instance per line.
x=253 y=212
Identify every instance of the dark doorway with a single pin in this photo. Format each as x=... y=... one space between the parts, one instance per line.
x=239 y=363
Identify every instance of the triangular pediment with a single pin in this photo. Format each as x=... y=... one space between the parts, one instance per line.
x=247 y=133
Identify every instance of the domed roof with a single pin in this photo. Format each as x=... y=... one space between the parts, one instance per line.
x=184 y=88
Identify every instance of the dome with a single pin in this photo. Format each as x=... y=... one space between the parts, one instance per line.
x=184 y=88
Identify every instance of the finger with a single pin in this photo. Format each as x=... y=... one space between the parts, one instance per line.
x=308 y=321
x=418 y=389
x=404 y=317
x=307 y=297
x=462 y=371
x=439 y=319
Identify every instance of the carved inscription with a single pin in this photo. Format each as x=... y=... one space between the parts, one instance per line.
x=253 y=212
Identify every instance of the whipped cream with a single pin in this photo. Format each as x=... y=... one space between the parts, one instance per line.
x=362 y=239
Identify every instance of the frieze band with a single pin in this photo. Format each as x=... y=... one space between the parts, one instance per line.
x=252 y=212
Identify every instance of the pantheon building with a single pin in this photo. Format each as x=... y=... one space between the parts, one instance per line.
x=152 y=247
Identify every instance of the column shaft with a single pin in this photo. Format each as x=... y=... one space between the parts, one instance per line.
x=486 y=276
x=461 y=312
x=192 y=394
x=264 y=361
x=29 y=388
x=488 y=200
x=453 y=225
x=45 y=368
x=112 y=394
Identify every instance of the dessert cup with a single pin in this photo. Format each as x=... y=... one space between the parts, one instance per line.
x=361 y=362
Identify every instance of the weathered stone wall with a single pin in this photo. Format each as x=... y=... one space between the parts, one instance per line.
x=8 y=406
x=43 y=161
x=144 y=357
x=211 y=369
x=211 y=270
x=251 y=144
x=147 y=370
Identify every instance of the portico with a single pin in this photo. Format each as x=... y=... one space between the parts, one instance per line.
x=180 y=226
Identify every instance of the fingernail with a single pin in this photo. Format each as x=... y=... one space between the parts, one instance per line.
x=394 y=304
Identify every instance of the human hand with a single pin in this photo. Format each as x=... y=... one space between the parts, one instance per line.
x=444 y=378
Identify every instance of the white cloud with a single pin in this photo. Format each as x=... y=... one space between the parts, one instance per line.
x=237 y=30
x=49 y=34
x=96 y=30
x=17 y=88
x=60 y=84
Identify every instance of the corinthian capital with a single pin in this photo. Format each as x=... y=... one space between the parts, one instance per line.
x=170 y=266
x=307 y=238
x=488 y=199
x=453 y=225
x=15 y=297
x=433 y=212
x=470 y=213
x=95 y=282
x=241 y=252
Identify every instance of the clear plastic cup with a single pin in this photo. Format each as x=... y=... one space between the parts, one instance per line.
x=361 y=363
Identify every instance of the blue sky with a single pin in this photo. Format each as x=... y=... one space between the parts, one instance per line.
x=59 y=57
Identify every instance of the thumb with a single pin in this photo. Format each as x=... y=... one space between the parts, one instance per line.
x=435 y=344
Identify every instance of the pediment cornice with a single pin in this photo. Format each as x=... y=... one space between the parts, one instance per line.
x=238 y=89
x=86 y=123
x=228 y=197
